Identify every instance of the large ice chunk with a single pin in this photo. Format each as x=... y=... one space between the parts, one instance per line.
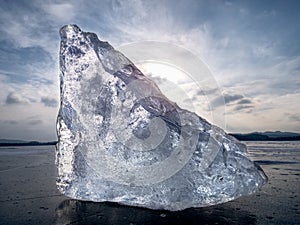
x=122 y=140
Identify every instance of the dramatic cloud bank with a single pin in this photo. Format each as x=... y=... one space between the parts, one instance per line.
x=252 y=49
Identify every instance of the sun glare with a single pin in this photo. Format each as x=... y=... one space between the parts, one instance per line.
x=178 y=86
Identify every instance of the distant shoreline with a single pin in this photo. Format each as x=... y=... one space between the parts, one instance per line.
x=30 y=143
x=241 y=137
x=260 y=137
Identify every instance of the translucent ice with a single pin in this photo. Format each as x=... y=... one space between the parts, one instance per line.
x=122 y=140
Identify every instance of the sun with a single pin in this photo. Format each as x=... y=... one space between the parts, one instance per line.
x=175 y=83
x=181 y=76
x=164 y=71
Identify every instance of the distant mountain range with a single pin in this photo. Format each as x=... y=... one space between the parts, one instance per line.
x=254 y=136
x=268 y=136
x=14 y=142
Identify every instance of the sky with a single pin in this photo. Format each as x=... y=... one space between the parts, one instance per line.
x=252 y=49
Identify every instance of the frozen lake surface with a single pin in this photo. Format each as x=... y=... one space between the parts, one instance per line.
x=28 y=193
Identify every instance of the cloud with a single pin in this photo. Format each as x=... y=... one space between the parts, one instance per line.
x=60 y=11
x=157 y=79
x=19 y=65
x=27 y=129
x=34 y=122
x=241 y=107
x=14 y=98
x=210 y=91
x=26 y=26
x=244 y=12
x=243 y=104
x=294 y=117
x=49 y=102
x=249 y=47
x=269 y=113
x=226 y=98
x=235 y=103
x=232 y=97
x=10 y=122
x=244 y=101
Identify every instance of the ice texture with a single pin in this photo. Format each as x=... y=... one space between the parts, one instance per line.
x=121 y=140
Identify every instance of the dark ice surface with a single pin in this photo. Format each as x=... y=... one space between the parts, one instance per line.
x=28 y=193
